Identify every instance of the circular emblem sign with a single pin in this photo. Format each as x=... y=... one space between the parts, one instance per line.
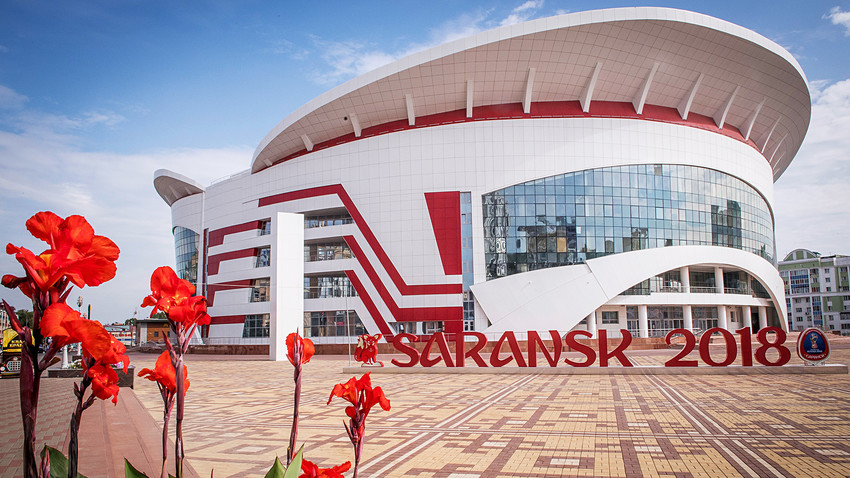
x=812 y=345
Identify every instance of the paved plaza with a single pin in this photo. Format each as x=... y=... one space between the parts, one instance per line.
x=238 y=416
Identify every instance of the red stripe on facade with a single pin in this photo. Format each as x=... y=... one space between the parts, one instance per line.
x=401 y=285
x=213 y=288
x=227 y=319
x=546 y=109
x=215 y=260
x=444 y=209
x=408 y=314
x=370 y=305
x=216 y=237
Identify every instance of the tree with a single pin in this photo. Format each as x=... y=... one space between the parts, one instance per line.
x=25 y=316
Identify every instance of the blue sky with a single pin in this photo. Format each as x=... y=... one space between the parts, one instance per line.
x=96 y=95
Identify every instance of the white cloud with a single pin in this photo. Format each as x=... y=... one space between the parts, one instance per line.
x=45 y=169
x=812 y=195
x=348 y=59
x=10 y=99
x=839 y=17
x=522 y=12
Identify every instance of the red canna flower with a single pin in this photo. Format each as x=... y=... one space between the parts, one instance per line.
x=163 y=373
x=104 y=381
x=363 y=397
x=310 y=470
x=173 y=296
x=66 y=326
x=297 y=345
x=359 y=392
x=75 y=253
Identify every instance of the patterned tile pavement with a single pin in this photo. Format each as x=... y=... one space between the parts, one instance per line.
x=238 y=418
x=239 y=410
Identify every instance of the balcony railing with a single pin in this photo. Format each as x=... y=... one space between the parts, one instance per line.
x=695 y=289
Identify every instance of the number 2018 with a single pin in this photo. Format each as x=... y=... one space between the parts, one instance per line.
x=731 y=347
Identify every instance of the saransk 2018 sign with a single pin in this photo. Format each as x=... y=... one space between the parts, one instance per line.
x=507 y=349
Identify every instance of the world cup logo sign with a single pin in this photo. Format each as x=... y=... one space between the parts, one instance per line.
x=812 y=346
x=367 y=350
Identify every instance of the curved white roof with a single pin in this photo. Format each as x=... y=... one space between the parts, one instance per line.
x=692 y=62
x=172 y=186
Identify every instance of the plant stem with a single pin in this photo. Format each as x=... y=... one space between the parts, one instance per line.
x=357 y=449
x=177 y=359
x=76 y=417
x=30 y=374
x=297 y=399
x=166 y=415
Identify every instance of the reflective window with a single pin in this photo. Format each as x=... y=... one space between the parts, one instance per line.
x=569 y=218
x=326 y=252
x=186 y=254
x=610 y=317
x=466 y=258
x=322 y=287
x=256 y=325
x=260 y=290
x=327 y=220
x=264 y=255
x=265 y=227
x=333 y=324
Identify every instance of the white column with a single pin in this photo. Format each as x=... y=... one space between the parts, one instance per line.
x=688 y=315
x=762 y=317
x=685 y=272
x=643 y=324
x=722 y=322
x=592 y=321
x=287 y=281
x=748 y=317
x=718 y=280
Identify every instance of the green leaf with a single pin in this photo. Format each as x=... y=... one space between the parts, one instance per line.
x=131 y=472
x=58 y=463
x=295 y=467
x=277 y=470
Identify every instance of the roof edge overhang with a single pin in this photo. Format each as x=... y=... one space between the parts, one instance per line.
x=172 y=186
x=260 y=162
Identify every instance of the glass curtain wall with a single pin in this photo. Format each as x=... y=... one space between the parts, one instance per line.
x=186 y=254
x=569 y=218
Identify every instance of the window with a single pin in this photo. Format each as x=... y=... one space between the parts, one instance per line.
x=610 y=317
x=845 y=326
x=570 y=218
x=264 y=255
x=156 y=334
x=256 y=325
x=799 y=309
x=828 y=279
x=322 y=287
x=325 y=220
x=260 y=290
x=326 y=252
x=333 y=323
x=265 y=227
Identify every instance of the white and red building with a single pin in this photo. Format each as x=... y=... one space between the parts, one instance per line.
x=607 y=169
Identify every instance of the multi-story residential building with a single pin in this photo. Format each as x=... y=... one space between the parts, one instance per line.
x=817 y=290
x=599 y=170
